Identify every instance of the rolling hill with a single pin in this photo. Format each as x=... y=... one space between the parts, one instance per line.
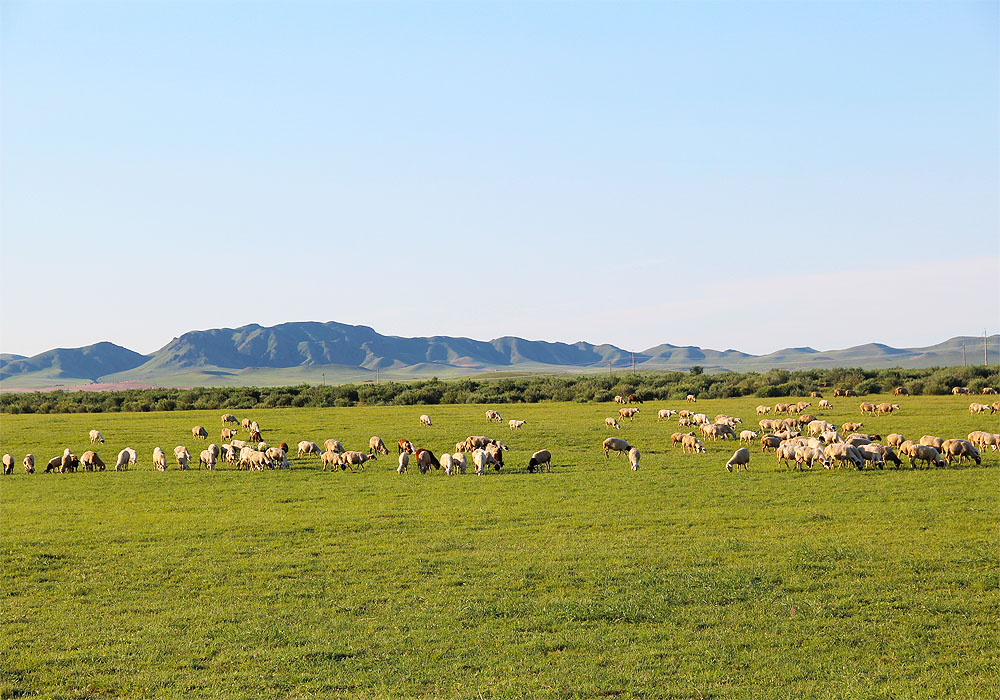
x=292 y=353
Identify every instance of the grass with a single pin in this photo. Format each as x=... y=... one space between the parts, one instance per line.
x=677 y=581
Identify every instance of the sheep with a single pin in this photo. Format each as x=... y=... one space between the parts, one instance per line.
x=763 y=410
x=818 y=427
x=740 y=458
x=278 y=456
x=809 y=455
x=731 y=421
x=887 y=454
x=933 y=441
x=353 y=459
x=748 y=436
x=91 y=461
x=872 y=455
x=229 y=453
x=767 y=425
x=825 y=404
x=633 y=459
x=95 y=436
x=900 y=391
x=8 y=464
x=717 y=432
x=404 y=462
x=68 y=463
x=851 y=427
x=405 y=446
x=616 y=445
x=692 y=398
x=684 y=422
x=426 y=459
x=867 y=407
x=458 y=461
x=632 y=398
x=994 y=407
x=229 y=418
x=446 y=464
x=665 y=413
x=494 y=416
x=961 y=391
x=182 y=456
x=629 y=413
x=330 y=458
x=482 y=459
x=475 y=441
x=785 y=453
x=815 y=395
x=53 y=464
x=125 y=458
x=894 y=439
x=207 y=458
x=540 y=459
x=677 y=438
x=960 y=450
x=612 y=423
x=619 y=399
x=988 y=390
x=254 y=432
x=29 y=463
x=497 y=453
x=376 y=445
x=238 y=444
x=308 y=448
x=907 y=447
x=700 y=419
x=788 y=434
x=831 y=436
x=925 y=453
x=516 y=424
x=425 y=420
x=857 y=440
x=199 y=432
x=769 y=442
x=794 y=408
x=884 y=408
x=841 y=453
x=780 y=407
x=159 y=459
x=228 y=434
x=685 y=414
x=975 y=408
x=691 y=445
x=245 y=424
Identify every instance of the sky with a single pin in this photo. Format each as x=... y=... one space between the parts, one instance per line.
x=748 y=175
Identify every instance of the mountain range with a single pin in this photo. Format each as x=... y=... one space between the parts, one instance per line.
x=292 y=353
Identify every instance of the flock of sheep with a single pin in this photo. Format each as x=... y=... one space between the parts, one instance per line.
x=801 y=440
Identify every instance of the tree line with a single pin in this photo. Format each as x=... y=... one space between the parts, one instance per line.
x=665 y=386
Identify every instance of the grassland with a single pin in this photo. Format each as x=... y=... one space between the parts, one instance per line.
x=677 y=581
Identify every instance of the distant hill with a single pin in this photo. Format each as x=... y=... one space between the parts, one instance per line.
x=292 y=353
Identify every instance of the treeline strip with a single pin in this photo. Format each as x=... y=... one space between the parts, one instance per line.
x=668 y=386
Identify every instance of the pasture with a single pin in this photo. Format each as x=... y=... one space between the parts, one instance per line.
x=677 y=581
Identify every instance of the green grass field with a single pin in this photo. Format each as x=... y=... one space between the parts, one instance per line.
x=677 y=581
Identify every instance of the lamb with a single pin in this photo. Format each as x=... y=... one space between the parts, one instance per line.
x=353 y=459
x=425 y=420
x=482 y=459
x=29 y=463
x=229 y=418
x=458 y=460
x=376 y=446
x=692 y=398
x=633 y=459
x=404 y=445
x=616 y=445
x=629 y=413
x=404 y=461
x=228 y=434
x=159 y=459
x=691 y=445
x=748 y=436
x=8 y=464
x=95 y=436
x=664 y=414
x=182 y=456
x=540 y=459
x=740 y=458
x=763 y=410
x=825 y=404
x=426 y=459
x=199 y=432
x=925 y=453
x=516 y=424
x=207 y=458
x=308 y=448
x=612 y=423
x=678 y=438
x=446 y=464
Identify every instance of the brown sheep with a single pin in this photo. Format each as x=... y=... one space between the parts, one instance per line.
x=91 y=461
x=678 y=438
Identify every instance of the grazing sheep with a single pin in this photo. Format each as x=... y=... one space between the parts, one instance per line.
x=376 y=445
x=229 y=418
x=331 y=458
x=228 y=434
x=308 y=448
x=692 y=398
x=182 y=456
x=425 y=420
x=633 y=459
x=900 y=391
x=95 y=436
x=867 y=407
x=332 y=445
x=700 y=419
x=884 y=408
x=748 y=436
x=199 y=432
x=254 y=432
x=229 y=453
x=245 y=424
x=815 y=395
x=446 y=464
x=405 y=446
x=540 y=459
x=404 y=461
x=841 y=452
x=851 y=427
x=825 y=404
x=740 y=458
x=497 y=453
x=872 y=455
x=678 y=438
x=356 y=459
x=994 y=407
x=494 y=416
x=818 y=427
x=808 y=455
x=425 y=460
x=632 y=398
x=933 y=441
x=159 y=459
x=629 y=413
x=691 y=445
x=989 y=390
x=619 y=399
x=125 y=458
x=29 y=463
x=616 y=445
x=960 y=450
x=279 y=457
x=769 y=442
x=8 y=464
x=458 y=460
x=516 y=424
x=925 y=453
x=238 y=444
x=763 y=410
x=207 y=458
x=482 y=459
x=894 y=439
x=612 y=423
x=786 y=453
x=961 y=391
x=665 y=413
x=91 y=461
x=975 y=408
x=781 y=407
x=53 y=464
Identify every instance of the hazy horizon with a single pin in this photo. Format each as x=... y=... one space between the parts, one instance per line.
x=748 y=175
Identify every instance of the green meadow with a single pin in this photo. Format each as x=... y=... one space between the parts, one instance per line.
x=680 y=580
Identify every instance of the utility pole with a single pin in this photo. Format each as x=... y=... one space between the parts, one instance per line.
x=376 y=375
x=985 y=344
x=633 y=363
x=610 y=373
x=324 y=378
x=964 y=361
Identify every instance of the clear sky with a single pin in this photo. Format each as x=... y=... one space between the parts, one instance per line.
x=730 y=175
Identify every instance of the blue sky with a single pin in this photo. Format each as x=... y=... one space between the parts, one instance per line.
x=746 y=175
